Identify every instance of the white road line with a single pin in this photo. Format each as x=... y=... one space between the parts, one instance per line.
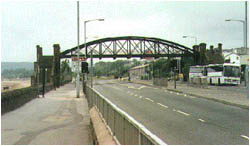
x=185 y=95
x=141 y=87
x=181 y=112
x=162 y=105
x=244 y=136
x=131 y=87
x=136 y=95
x=149 y=99
x=201 y=120
x=171 y=92
x=178 y=93
x=174 y=110
x=140 y=97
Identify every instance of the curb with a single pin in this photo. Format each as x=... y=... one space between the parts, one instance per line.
x=213 y=99
x=99 y=130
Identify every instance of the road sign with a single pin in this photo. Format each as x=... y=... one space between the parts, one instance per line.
x=80 y=58
x=148 y=52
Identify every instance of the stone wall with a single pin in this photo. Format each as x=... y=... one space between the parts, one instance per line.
x=14 y=99
x=160 y=82
x=198 y=82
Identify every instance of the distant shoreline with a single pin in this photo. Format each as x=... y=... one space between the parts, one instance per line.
x=15 y=79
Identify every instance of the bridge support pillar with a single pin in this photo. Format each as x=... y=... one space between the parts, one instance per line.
x=37 y=66
x=56 y=66
x=49 y=75
x=203 y=57
x=196 y=54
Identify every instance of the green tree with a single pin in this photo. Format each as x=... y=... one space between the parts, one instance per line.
x=65 y=69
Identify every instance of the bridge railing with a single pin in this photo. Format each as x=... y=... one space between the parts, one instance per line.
x=125 y=129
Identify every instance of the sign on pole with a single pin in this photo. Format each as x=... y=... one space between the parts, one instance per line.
x=80 y=58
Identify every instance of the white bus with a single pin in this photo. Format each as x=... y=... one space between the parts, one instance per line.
x=223 y=74
x=196 y=71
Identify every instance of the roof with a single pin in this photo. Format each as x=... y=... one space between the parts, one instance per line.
x=231 y=54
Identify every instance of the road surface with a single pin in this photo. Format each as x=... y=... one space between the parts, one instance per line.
x=178 y=118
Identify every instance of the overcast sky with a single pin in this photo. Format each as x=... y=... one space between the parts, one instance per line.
x=27 y=24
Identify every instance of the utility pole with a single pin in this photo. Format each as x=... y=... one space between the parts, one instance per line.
x=245 y=25
x=78 y=58
x=246 y=72
x=91 y=53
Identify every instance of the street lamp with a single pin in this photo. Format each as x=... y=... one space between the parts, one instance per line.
x=244 y=32
x=191 y=37
x=78 y=54
x=85 y=24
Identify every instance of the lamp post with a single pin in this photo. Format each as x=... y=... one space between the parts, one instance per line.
x=78 y=53
x=185 y=36
x=85 y=25
x=244 y=32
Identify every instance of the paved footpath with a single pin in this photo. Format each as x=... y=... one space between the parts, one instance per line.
x=58 y=119
x=230 y=97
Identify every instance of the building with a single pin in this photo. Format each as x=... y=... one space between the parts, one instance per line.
x=242 y=53
x=232 y=58
x=244 y=59
x=239 y=51
x=138 y=71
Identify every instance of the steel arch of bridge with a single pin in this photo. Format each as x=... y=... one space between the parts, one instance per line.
x=130 y=46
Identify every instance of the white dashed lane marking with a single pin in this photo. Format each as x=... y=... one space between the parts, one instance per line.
x=140 y=96
x=244 y=136
x=136 y=95
x=162 y=105
x=201 y=120
x=181 y=112
x=149 y=99
x=131 y=87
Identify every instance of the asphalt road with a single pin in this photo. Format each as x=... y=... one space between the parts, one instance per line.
x=179 y=118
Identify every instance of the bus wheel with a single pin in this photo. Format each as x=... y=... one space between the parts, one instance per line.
x=219 y=81
x=210 y=81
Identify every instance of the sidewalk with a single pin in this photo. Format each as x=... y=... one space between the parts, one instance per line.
x=234 y=98
x=58 y=119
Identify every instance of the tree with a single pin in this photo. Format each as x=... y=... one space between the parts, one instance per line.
x=16 y=73
x=65 y=69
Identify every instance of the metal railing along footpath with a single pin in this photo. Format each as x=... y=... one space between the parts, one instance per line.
x=125 y=129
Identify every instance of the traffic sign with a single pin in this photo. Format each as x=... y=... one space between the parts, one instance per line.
x=80 y=58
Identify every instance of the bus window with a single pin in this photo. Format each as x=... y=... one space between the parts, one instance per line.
x=195 y=70
x=215 y=69
x=231 y=71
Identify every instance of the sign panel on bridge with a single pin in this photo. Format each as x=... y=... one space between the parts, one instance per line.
x=80 y=58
